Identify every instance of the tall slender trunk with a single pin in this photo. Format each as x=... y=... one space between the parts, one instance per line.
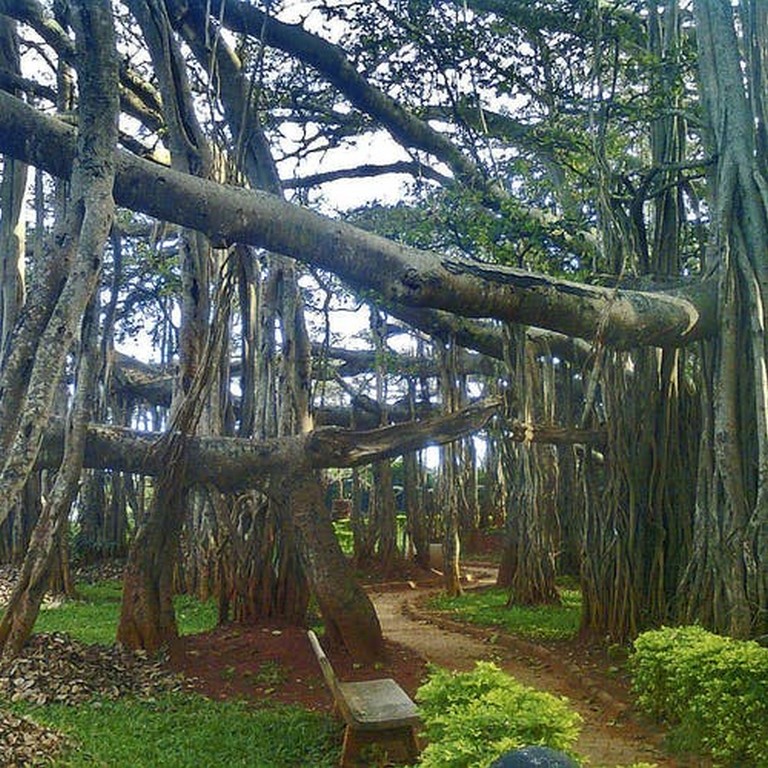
x=449 y=484
x=146 y=618
x=22 y=516
x=75 y=313
x=414 y=509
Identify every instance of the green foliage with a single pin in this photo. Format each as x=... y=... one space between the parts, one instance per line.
x=343 y=530
x=190 y=730
x=93 y=618
x=457 y=221
x=713 y=689
x=488 y=607
x=473 y=717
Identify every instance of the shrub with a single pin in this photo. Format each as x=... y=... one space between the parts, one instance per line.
x=471 y=718
x=713 y=690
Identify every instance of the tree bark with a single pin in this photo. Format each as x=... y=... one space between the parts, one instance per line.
x=90 y=218
x=528 y=565
x=731 y=521
x=401 y=274
x=146 y=619
x=348 y=614
x=449 y=485
x=12 y=191
x=232 y=463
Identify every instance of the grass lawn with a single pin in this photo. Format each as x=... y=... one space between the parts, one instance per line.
x=93 y=618
x=189 y=730
x=487 y=607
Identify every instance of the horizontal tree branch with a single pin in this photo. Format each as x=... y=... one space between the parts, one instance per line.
x=234 y=464
x=366 y=170
x=396 y=272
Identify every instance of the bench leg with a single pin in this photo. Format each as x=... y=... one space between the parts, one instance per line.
x=395 y=746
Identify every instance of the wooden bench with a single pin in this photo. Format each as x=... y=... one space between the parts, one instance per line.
x=378 y=714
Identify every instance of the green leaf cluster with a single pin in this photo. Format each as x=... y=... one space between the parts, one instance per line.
x=712 y=689
x=473 y=717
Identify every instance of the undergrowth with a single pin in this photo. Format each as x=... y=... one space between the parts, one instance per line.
x=712 y=690
x=473 y=717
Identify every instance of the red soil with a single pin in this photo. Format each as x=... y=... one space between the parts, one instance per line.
x=274 y=662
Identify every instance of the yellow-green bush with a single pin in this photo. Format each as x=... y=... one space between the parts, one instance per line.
x=713 y=690
x=473 y=717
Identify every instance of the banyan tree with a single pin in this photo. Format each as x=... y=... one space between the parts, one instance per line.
x=586 y=212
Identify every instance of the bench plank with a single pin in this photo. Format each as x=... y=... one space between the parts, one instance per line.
x=378 y=704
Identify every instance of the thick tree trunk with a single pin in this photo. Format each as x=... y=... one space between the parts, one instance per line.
x=637 y=536
x=147 y=619
x=637 y=529
x=730 y=555
x=528 y=565
x=24 y=604
x=348 y=614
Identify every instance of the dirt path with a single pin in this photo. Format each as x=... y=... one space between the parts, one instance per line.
x=609 y=737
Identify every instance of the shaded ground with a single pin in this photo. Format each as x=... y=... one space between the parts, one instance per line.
x=276 y=663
